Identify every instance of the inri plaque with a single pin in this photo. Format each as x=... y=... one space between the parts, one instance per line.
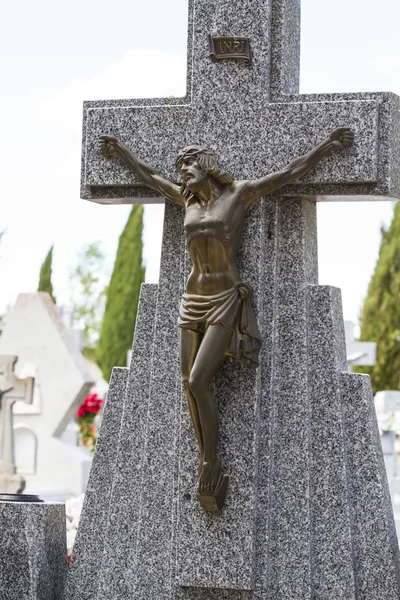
x=237 y=48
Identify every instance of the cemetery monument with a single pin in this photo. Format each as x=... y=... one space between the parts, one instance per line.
x=307 y=514
x=33 y=548
x=60 y=380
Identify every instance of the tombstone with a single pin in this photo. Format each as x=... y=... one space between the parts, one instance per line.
x=12 y=389
x=33 y=551
x=358 y=353
x=47 y=353
x=308 y=512
x=387 y=404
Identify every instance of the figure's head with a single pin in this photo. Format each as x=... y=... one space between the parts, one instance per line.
x=195 y=165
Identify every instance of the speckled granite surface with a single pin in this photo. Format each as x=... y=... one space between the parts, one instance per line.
x=250 y=112
x=292 y=525
x=109 y=500
x=296 y=522
x=86 y=562
x=33 y=551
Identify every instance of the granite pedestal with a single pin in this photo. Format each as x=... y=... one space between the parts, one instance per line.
x=307 y=515
x=308 y=512
x=33 y=551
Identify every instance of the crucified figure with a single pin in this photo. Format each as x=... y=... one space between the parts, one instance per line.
x=216 y=317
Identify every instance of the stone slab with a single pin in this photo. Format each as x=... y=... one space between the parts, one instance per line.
x=86 y=561
x=33 y=552
x=125 y=516
x=102 y=554
x=375 y=543
x=332 y=561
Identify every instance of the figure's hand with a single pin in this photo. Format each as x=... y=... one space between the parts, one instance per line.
x=342 y=138
x=107 y=145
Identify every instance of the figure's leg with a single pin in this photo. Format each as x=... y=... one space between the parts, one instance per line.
x=189 y=345
x=209 y=358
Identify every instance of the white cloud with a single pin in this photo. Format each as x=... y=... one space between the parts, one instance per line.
x=43 y=204
x=138 y=74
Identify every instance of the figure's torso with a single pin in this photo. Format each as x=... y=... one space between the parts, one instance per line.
x=213 y=232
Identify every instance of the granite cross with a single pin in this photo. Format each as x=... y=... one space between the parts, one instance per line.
x=282 y=431
x=252 y=116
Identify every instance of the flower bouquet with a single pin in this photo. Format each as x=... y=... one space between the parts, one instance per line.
x=85 y=416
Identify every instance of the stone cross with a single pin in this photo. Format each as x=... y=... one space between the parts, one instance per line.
x=296 y=515
x=359 y=353
x=11 y=390
x=252 y=116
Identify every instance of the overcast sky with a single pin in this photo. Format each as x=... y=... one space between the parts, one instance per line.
x=54 y=55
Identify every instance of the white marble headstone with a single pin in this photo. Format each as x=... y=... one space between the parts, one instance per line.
x=48 y=355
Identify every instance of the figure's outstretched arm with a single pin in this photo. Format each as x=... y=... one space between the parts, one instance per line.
x=340 y=139
x=110 y=146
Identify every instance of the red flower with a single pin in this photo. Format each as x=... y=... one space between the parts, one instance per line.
x=91 y=404
x=81 y=412
x=91 y=398
x=90 y=407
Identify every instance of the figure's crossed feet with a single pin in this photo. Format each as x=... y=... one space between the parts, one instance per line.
x=210 y=477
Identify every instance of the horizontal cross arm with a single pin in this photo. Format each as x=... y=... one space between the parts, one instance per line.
x=251 y=143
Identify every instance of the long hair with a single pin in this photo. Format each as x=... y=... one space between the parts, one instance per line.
x=208 y=162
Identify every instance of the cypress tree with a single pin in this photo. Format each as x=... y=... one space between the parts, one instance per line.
x=122 y=296
x=380 y=317
x=45 y=284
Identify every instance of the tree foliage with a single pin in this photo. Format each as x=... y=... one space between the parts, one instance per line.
x=380 y=317
x=45 y=284
x=88 y=281
x=122 y=296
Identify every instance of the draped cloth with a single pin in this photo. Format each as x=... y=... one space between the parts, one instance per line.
x=232 y=309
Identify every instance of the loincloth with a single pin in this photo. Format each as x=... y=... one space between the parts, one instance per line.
x=232 y=309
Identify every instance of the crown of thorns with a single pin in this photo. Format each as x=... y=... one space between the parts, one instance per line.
x=193 y=151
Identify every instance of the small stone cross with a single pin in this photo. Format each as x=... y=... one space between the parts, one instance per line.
x=11 y=390
x=359 y=353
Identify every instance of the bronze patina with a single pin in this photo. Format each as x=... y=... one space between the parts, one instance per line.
x=237 y=48
x=216 y=317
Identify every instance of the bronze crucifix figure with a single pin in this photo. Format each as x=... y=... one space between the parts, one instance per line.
x=216 y=318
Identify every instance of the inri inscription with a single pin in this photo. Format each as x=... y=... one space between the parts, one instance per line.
x=230 y=47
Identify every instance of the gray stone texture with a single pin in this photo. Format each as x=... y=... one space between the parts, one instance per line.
x=292 y=525
x=33 y=551
x=294 y=517
x=107 y=518
x=83 y=573
x=253 y=118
